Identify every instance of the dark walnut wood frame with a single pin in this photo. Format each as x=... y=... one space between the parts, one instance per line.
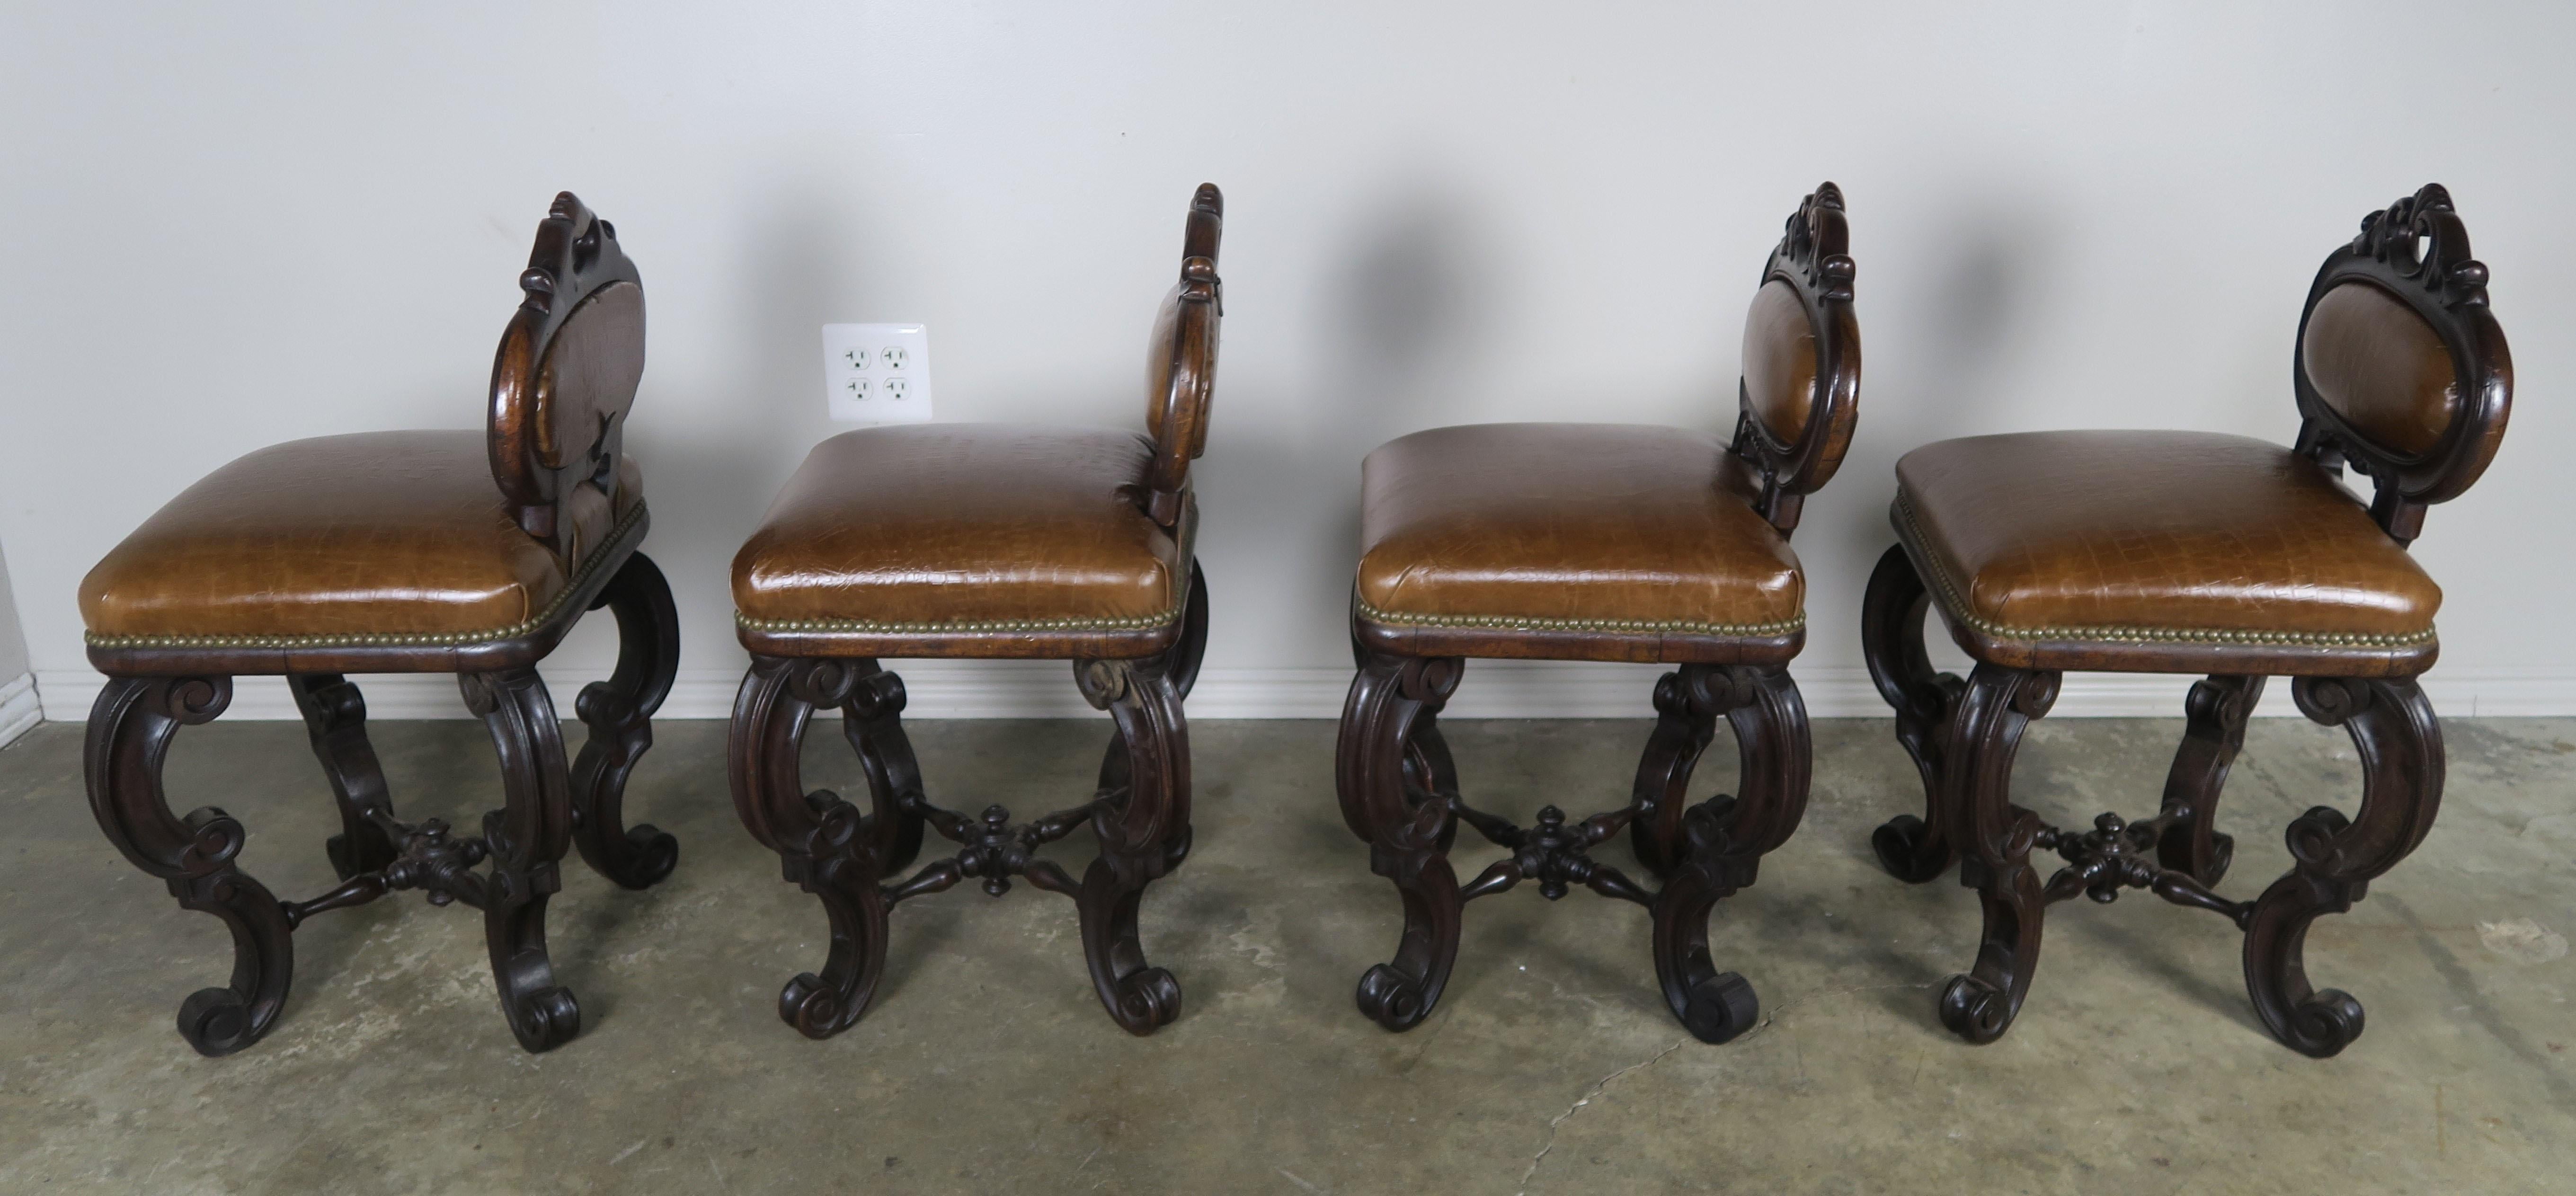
x=1139 y=811
x=153 y=691
x=1399 y=788
x=1963 y=734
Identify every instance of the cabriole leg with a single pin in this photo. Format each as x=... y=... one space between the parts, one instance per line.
x=2400 y=744
x=129 y=738
x=1914 y=849
x=1723 y=839
x=619 y=713
x=527 y=839
x=824 y=845
x=1995 y=838
x=1408 y=829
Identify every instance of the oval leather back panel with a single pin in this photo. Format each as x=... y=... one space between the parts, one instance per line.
x=1779 y=361
x=2381 y=367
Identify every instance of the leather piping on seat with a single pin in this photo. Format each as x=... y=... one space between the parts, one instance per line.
x=1957 y=608
x=1518 y=623
x=572 y=585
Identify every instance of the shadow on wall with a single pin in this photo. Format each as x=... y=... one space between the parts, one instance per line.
x=1951 y=379
x=1395 y=344
x=1948 y=376
x=1406 y=301
x=805 y=258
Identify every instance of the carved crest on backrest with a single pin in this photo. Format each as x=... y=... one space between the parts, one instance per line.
x=1199 y=283
x=1818 y=244
x=568 y=247
x=2421 y=238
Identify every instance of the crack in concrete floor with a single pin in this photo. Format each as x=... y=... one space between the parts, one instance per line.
x=1585 y=1099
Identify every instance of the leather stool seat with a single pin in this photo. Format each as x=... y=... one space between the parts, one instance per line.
x=379 y=537
x=985 y=541
x=942 y=533
x=1604 y=542
x=1600 y=528
x=2184 y=553
x=2159 y=537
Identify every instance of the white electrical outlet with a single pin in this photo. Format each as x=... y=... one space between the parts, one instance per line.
x=877 y=373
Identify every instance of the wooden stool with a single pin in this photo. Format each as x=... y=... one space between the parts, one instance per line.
x=407 y=552
x=997 y=542
x=1604 y=542
x=2179 y=552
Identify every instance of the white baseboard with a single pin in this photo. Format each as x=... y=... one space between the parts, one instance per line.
x=1492 y=689
x=20 y=710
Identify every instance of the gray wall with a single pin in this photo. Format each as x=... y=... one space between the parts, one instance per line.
x=242 y=223
x=13 y=644
x=19 y=708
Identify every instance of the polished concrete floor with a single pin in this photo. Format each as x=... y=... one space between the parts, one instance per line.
x=1551 y=1065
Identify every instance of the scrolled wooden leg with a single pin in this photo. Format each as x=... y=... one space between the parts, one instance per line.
x=527 y=839
x=1407 y=829
x=129 y=737
x=1995 y=838
x=824 y=845
x=1183 y=671
x=1431 y=770
x=1685 y=722
x=2190 y=842
x=1192 y=647
x=1724 y=838
x=619 y=713
x=2335 y=858
x=1142 y=831
x=335 y=716
x=872 y=722
x=1913 y=849
x=1141 y=998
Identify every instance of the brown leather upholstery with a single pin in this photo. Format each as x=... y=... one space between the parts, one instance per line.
x=961 y=530
x=1779 y=361
x=381 y=537
x=2381 y=367
x=1603 y=528
x=2158 y=537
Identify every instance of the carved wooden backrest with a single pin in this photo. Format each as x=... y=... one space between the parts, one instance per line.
x=1180 y=360
x=566 y=374
x=2401 y=371
x=1800 y=391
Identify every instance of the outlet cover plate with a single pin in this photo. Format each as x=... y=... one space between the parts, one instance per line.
x=877 y=373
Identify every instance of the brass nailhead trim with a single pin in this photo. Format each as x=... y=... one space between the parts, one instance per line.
x=870 y=627
x=572 y=585
x=1617 y=626
x=1958 y=609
